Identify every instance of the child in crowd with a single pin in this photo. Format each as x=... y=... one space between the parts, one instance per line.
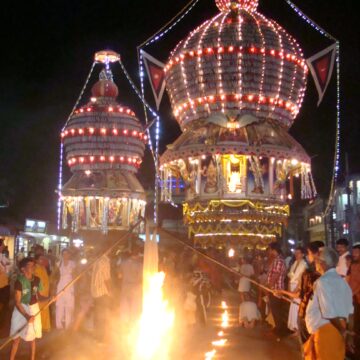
x=26 y=320
x=248 y=312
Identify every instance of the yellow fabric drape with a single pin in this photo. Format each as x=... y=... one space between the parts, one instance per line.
x=41 y=273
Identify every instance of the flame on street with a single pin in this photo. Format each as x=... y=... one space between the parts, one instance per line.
x=221 y=342
x=154 y=333
x=224 y=316
x=210 y=354
x=156 y=322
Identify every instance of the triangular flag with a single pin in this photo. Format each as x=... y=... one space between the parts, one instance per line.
x=156 y=74
x=321 y=66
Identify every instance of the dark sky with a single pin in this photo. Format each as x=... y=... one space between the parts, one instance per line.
x=47 y=51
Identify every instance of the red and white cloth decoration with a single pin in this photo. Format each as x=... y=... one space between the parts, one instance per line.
x=156 y=74
x=321 y=66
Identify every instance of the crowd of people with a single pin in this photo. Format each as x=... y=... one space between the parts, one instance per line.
x=40 y=280
x=111 y=289
x=312 y=293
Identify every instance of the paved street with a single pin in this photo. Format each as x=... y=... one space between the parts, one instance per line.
x=242 y=344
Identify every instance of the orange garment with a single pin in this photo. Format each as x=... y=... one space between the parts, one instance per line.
x=354 y=280
x=41 y=273
x=4 y=279
x=325 y=344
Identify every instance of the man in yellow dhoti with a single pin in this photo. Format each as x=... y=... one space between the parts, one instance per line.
x=328 y=312
x=41 y=273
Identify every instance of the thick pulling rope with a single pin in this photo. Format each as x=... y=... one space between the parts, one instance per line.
x=80 y=275
x=72 y=282
x=227 y=268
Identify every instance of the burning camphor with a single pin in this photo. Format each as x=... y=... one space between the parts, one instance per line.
x=156 y=322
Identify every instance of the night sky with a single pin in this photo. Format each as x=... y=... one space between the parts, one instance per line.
x=47 y=51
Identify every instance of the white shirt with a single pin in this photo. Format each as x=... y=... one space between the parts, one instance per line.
x=342 y=268
x=332 y=298
x=295 y=273
x=66 y=273
x=244 y=283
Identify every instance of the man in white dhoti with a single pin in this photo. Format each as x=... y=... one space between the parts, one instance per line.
x=26 y=320
x=248 y=312
x=65 y=305
x=294 y=275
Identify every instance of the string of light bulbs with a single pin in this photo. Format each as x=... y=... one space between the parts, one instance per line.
x=61 y=158
x=170 y=24
x=154 y=38
x=145 y=104
x=336 y=162
x=147 y=107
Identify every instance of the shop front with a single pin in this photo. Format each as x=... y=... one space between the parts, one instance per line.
x=38 y=232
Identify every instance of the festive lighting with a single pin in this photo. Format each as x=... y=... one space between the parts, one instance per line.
x=124 y=111
x=224 y=316
x=134 y=161
x=210 y=354
x=60 y=176
x=230 y=98
x=212 y=51
x=181 y=109
x=336 y=166
x=220 y=342
x=228 y=43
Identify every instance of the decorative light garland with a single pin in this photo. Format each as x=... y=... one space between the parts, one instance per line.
x=236 y=234
x=208 y=45
x=60 y=176
x=336 y=163
x=92 y=159
x=59 y=189
x=155 y=37
x=80 y=162
x=218 y=69
x=207 y=25
x=240 y=57
x=111 y=109
x=249 y=98
x=92 y=131
x=157 y=135
x=232 y=49
x=226 y=5
x=263 y=65
x=170 y=25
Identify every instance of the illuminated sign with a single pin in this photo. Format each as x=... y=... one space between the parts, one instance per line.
x=36 y=226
